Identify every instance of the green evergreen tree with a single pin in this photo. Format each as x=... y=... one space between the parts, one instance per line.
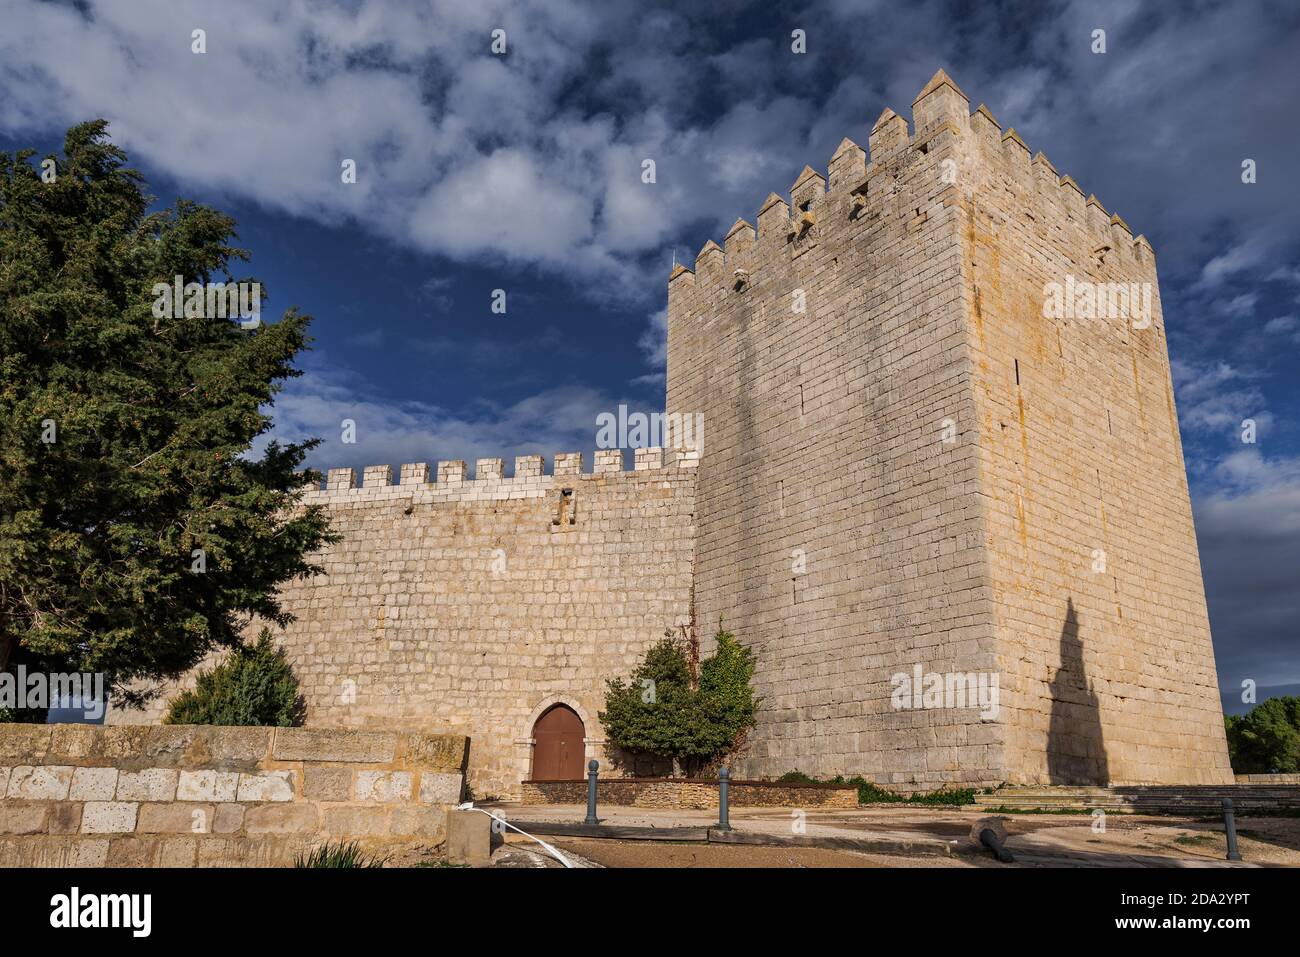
x=1267 y=739
x=254 y=685
x=125 y=438
x=661 y=712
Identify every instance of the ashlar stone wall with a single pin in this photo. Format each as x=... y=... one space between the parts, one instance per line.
x=472 y=605
x=911 y=466
x=837 y=532
x=185 y=796
x=1103 y=634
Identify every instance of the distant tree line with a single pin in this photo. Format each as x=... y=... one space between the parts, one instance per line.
x=1267 y=739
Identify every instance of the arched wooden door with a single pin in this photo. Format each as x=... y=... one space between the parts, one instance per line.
x=558 y=747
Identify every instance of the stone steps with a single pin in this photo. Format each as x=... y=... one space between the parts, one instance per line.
x=1145 y=799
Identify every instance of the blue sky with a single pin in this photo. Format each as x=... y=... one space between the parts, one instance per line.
x=522 y=172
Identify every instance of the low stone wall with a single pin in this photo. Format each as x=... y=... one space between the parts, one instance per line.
x=184 y=796
x=1268 y=778
x=678 y=793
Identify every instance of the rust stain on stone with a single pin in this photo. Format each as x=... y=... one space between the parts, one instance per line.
x=1020 y=521
x=1137 y=390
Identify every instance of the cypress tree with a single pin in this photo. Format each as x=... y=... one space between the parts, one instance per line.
x=137 y=533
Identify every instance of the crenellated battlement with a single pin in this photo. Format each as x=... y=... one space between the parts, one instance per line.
x=856 y=191
x=450 y=478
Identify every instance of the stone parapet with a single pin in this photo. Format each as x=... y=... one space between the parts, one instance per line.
x=684 y=794
x=181 y=795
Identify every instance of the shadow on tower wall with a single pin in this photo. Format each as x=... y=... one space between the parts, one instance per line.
x=1076 y=753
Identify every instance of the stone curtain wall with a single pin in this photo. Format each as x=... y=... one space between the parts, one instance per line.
x=470 y=605
x=693 y=795
x=848 y=541
x=183 y=796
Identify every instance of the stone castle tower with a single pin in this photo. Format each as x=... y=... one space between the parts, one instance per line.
x=911 y=468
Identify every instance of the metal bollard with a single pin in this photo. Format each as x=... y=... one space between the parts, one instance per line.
x=724 y=822
x=1230 y=827
x=989 y=838
x=592 y=767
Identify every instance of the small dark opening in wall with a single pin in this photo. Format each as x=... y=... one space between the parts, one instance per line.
x=1017 y=372
x=565 y=514
x=924 y=148
x=805 y=205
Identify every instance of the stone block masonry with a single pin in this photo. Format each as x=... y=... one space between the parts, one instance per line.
x=692 y=794
x=1103 y=637
x=911 y=463
x=473 y=605
x=183 y=796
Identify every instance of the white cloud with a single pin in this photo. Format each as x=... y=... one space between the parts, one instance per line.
x=436 y=291
x=1287 y=274
x=1214 y=398
x=1234 y=259
x=654 y=341
x=458 y=152
x=534 y=158
x=503 y=203
x=1238 y=306
x=1224 y=413
x=1288 y=325
x=1198 y=382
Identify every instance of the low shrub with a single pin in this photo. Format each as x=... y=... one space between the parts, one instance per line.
x=254 y=686
x=869 y=793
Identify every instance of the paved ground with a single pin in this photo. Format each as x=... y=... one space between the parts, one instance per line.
x=657 y=854
x=911 y=837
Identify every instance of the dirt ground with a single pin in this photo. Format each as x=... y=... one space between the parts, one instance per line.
x=1268 y=841
x=661 y=854
x=1037 y=840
